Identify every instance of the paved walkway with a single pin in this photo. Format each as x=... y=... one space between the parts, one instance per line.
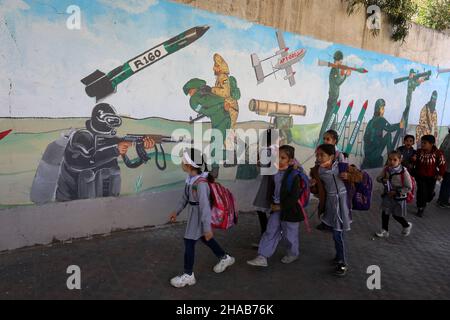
x=138 y=265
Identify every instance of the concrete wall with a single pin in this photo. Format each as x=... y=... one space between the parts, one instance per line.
x=40 y=225
x=327 y=20
x=40 y=84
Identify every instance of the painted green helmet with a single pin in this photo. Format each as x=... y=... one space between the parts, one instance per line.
x=378 y=105
x=338 y=55
x=434 y=95
x=193 y=84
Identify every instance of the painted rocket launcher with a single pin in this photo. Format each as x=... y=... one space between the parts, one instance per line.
x=424 y=75
x=340 y=66
x=101 y=85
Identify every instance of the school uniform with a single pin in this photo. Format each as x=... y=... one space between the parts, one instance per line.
x=196 y=198
x=394 y=206
x=407 y=154
x=333 y=202
x=285 y=216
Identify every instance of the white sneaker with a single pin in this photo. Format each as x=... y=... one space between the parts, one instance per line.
x=382 y=234
x=289 y=259
x=183 y=280
x=406 y=231
x=259 y=261
x=223 y=264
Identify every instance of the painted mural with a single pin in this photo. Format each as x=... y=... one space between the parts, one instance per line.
x=76 y=122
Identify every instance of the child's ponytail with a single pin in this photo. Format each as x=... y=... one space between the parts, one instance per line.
x=210 y=177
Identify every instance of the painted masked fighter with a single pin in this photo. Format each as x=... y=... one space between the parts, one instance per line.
x=90 y=168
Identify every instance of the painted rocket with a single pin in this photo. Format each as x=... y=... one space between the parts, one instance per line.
x=344 y=120
x=4 y=133
x=358 y=124
x=101 y=85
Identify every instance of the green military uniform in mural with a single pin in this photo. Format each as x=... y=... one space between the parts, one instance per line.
x=378 y=137
x=414 y=80
x=204 y=102
x=208 y=104
x=284 y=123
x=336 y=79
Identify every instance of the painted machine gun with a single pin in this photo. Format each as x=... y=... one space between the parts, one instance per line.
x=138 y=141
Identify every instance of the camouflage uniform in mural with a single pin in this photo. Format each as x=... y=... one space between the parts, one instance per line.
x=223 y=88
x=204 y=102
x=378 y=137
x=336 y=79
x=428 y=122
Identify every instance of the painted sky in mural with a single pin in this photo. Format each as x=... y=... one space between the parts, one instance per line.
x=43 y=78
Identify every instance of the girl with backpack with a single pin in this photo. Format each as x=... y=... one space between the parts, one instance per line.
x=282 y=192
x=328 y=182
x=196 y=198
x=398 y=184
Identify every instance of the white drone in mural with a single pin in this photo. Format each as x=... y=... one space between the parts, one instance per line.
x=285 y=62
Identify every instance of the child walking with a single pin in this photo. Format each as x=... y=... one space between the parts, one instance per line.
x=196 y=198
x=397 y=183
x=430 y=166
x=327 y=182
x=283 y=193
x=332 y=137
x=408 y=152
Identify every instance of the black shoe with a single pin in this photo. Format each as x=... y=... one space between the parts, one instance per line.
x=324 y=227
x=335 y=262
x=341 y=270
x=443 y=205
x=420 y=212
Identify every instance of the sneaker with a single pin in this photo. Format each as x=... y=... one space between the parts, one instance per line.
x=183 y=280
x=420 y=212
x=382 y=234
x=443 y=205
x=224 y=263
x=289 y=259
x=259 y=261
x=341 y=270
x=406 y=231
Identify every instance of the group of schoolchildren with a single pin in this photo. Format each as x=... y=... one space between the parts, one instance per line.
x=331 y=180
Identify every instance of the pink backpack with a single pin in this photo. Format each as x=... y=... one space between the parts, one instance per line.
x=224 y=213
x=410 y=195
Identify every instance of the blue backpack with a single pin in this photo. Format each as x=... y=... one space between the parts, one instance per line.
x=304 y=186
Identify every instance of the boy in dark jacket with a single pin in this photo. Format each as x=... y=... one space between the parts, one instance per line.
x=286 y=213
x=430 y=166
x=408 y=152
